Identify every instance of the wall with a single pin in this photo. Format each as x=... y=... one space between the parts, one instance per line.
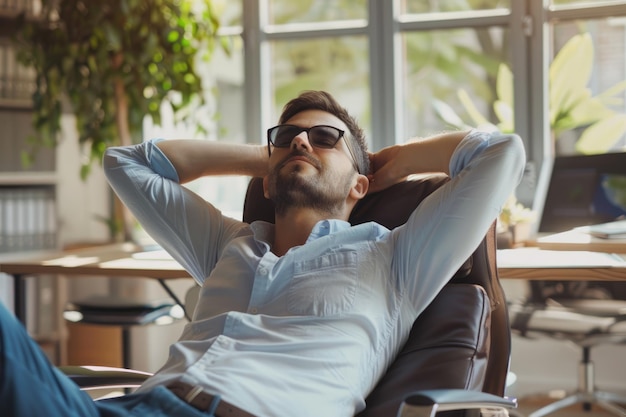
x=79 y=202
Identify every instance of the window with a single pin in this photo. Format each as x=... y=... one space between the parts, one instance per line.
x=285 y=12
x=391 y=63
x=318 y=45
x=337 y=64
x=409 y=67
x=448 y=71
x=587 y=110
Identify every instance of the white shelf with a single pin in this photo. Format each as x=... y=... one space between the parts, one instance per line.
x=28 y=178
x=15 y=104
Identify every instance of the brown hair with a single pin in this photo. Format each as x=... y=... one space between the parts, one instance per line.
x=321 y=100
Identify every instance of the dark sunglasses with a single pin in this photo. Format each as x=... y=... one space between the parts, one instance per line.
x=320 y=136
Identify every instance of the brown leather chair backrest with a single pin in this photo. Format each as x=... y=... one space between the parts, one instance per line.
x=462 y=340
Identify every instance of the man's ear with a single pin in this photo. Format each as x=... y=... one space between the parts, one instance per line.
x=360 y=187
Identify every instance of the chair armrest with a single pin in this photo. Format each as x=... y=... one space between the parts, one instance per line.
x=427 y=403
x=97 y=377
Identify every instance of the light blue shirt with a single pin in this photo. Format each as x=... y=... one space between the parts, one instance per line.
x=311 y=332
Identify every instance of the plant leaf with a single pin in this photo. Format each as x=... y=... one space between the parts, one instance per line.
x=448 y=115
x=477 y=117
x=612 y=91
x=505 y=114
x=589 y=111
x=78 y=53
x=601 y=136
x=504 y=86
x=570 y=72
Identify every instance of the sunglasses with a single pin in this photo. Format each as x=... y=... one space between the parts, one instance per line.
x=320 y=136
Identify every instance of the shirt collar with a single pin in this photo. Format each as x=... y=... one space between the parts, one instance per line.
x=327 y=227
x=264 y=231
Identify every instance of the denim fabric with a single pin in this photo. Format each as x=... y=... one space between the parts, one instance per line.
x=30 y=386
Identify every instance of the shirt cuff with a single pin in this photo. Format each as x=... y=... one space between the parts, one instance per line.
x=159 y=162
x=472 y=145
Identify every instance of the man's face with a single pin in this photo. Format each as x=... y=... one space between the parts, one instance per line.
x=304 y=175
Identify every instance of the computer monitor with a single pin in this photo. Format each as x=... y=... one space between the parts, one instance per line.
x=584 y=190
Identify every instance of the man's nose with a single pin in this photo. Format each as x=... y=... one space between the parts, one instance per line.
x=301 y=141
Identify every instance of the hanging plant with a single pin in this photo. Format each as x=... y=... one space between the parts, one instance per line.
x=111 y=64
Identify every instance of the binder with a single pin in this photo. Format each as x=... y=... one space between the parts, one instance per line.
x=28 y=219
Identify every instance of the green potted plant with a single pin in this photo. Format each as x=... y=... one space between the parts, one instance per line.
x=111 y=64
x=114 y=62
x=514 y=222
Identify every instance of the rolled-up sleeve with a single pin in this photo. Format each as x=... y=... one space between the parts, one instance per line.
x=449 y=224
x=183 y=223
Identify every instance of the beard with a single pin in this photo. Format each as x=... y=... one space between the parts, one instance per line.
x=325 y=192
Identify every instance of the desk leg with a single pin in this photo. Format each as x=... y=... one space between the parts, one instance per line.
x=175 y=297
x=19 y=297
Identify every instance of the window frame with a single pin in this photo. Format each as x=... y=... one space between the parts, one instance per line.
x=528 y=22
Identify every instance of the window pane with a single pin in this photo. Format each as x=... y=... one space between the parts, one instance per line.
x=229 y=12
x=338 y=65
x=421 y=6
x=450 y=81
x=587 y=110
x=307 y=11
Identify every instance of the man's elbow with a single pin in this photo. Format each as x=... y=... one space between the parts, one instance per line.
x=517 y=155
x=110 y=159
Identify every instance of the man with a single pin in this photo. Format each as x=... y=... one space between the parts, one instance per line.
x=301 y=317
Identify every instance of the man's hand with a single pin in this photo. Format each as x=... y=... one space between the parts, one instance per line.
x=395 y=163
x=386 y=168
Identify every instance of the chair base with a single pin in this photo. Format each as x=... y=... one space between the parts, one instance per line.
x=600 y=398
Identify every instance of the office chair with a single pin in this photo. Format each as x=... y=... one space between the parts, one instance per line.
x=457 y=355
x=582 y=190
x=582 y=313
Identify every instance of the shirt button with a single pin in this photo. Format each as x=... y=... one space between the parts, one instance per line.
x=254 y=310
x=263 y=271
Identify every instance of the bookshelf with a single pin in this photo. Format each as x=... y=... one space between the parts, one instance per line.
x=28 y=195
x=27 y=217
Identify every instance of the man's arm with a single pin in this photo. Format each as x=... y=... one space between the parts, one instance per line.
x=394 y=163
x=448 y=225
x=193 y=159
x=148 y=180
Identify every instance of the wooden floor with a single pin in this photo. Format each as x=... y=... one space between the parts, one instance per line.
x=530 y=404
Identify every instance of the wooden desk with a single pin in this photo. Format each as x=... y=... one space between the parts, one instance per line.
x=572 y=256
x=115 y=261
x=577 y=240
x=125 y=260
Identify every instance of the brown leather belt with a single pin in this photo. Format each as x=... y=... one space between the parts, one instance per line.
x=197 y=398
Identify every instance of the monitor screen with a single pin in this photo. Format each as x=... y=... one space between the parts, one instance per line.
x=584 y=190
